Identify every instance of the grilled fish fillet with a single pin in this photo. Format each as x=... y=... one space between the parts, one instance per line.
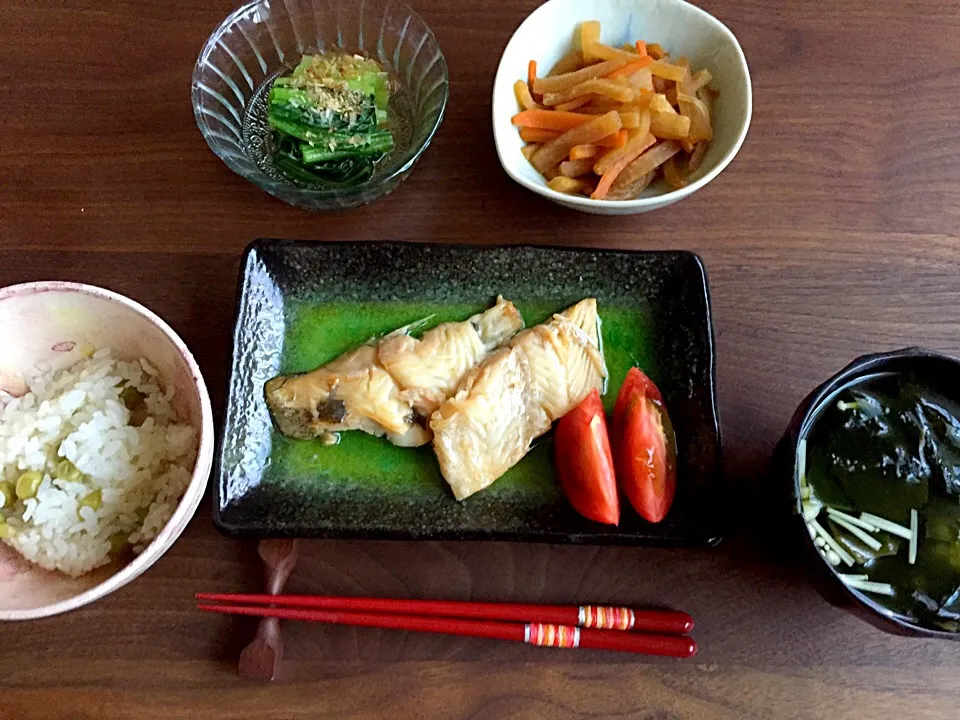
x=389 y=387
x=514 y=396
x=353 y=392
x=429 y=369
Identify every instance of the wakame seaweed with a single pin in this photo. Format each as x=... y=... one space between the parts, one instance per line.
x=887 y=446
x=329 y=119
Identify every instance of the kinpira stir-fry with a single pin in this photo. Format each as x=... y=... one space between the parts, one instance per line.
x=606 y=121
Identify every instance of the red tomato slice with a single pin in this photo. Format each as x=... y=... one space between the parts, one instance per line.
x=647 y=460
x=636 y=383
x=585 y=462
x=645 y=447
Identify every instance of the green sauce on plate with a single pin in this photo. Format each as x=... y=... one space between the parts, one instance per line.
x=318 y=333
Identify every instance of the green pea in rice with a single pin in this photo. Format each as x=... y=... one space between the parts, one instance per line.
x=112 y=471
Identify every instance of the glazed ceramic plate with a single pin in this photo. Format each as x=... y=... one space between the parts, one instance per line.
x=303 y=304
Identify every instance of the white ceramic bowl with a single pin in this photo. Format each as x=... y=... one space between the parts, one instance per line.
x=681 y=28
x=53 y=322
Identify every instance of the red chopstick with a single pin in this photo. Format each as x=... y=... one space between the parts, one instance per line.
x=548 y=635
x=669 y=622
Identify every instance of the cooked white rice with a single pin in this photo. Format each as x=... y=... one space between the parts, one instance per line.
x=79 y=415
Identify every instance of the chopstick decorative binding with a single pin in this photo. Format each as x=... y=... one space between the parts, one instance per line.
x=610 y=618
x=559 y=636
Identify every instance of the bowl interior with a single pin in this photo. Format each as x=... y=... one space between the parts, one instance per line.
x=55 y=324
x=264 y=39
x=683 y=29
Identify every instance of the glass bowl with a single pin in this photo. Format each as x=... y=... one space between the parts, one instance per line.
x=263 y=40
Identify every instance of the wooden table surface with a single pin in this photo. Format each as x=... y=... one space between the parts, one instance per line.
x=833 y=233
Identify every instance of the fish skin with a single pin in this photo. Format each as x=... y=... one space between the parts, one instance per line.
x=370 y=398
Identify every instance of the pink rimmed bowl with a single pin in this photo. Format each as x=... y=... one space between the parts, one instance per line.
x=55 y=323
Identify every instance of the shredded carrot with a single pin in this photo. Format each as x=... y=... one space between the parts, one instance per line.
x=532 y=76
x=538 y=135
x=616 y=140
x=635 y=138
x=554 y=152
x=641 y=48
x=631 y=68
x=550 y=119
x=637 y=148
x=579 y=152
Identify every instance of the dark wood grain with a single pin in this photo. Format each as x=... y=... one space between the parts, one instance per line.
x=833 y=233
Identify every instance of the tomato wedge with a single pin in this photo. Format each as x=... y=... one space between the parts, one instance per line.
x=646 y=447
x=635 y=383
x=585 y=462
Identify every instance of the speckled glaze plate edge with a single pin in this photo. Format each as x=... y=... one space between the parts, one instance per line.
x=675 y=289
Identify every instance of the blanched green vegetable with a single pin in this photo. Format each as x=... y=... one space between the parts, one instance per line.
x=328 y=119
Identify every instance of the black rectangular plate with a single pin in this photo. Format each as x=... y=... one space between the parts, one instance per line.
x=267 y=485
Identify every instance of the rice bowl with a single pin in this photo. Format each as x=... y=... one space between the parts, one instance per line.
x=53 y=326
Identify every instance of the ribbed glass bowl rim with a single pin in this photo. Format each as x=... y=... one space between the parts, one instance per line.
x=259 y=177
